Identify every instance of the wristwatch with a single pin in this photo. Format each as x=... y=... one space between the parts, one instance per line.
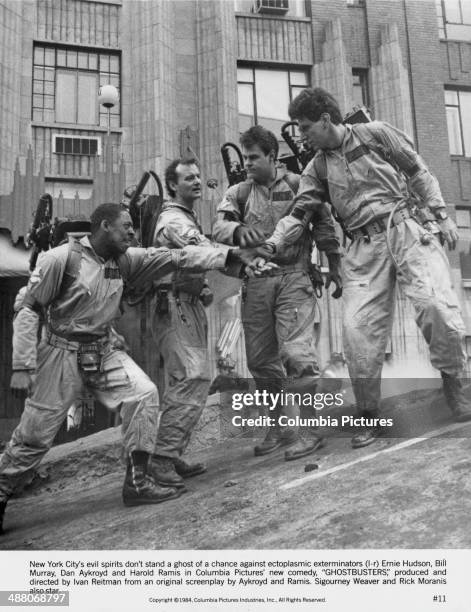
x=440 y=215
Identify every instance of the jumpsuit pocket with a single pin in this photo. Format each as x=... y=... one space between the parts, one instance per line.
x=357 y=307
x=112 y=374
x=191 y=325
x=362 y=284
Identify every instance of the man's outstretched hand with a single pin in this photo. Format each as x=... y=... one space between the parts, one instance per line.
x=265 y=251
x=259 y=267
x=255 y=264
x=247 y=237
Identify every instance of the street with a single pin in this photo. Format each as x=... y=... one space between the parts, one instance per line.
x=403 y=492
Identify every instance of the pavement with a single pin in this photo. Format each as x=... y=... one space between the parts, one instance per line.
x=411 y=489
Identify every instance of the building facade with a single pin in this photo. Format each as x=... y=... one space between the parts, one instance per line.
x=192 y=74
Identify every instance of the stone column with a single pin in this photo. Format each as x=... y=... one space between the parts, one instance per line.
x=333 y=72
x=390 y=92
x=217 y=92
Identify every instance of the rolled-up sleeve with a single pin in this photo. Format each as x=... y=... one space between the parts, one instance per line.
x=227 y=217
x=308 y=201
x=323 y=231
x=400 y=150
x=25 y=339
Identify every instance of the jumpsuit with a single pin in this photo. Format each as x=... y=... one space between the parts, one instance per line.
x=78 y=320
x=365 y=186
x=278 y=310
x=180 y=331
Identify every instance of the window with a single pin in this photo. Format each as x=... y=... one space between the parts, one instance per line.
x=264 y=95
x=66 y=82
x=458 y=114
x=463 y=218
x=296 y=8
x=454 y=19
x=360 y=87
x=465 y=265
x=75 y=145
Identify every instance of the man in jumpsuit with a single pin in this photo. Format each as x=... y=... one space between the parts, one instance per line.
x=362 y=169
x=180 y=328
x=278 y=311
x=77 y=351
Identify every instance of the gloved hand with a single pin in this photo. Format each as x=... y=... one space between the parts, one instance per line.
x=245 y=236
x=449 y=232
x=317 y=280
x=22 y=382
x=334 y=275
x=206 y=296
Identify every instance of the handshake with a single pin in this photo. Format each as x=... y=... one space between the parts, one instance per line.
x=253 y=251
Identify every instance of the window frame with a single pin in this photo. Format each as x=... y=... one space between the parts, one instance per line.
x=56 y=149
x=68 y=58
x=444 y=21
x=464 y=152
x=364 y=83
x=305 y=4
x=293 y=90
x=460 y=211
x=291 y=86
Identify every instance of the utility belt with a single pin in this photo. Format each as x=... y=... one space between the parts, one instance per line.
x=378 y=226
x=191 y=292
x=178 y=294
x=90 y=349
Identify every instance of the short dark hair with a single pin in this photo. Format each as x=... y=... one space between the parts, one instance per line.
x=109 y=211
x=171 y=171
x=258 y=135
x=311 y=103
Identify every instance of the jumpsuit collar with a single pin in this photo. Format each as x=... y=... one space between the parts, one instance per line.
x=189 y=211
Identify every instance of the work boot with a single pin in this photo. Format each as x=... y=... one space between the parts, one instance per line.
x=305 y=445
x=139 y=488
x=187 y=470
x=455 y=398
x=367 y=436
x=162 y=470
x=3 y=505
x=228 y=382
x=308 y=437
x=274 y=439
